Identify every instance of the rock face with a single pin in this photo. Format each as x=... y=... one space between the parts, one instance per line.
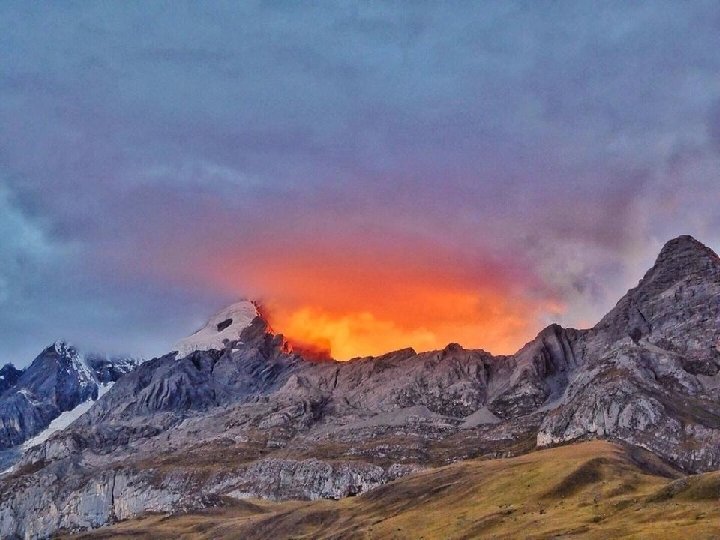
x=109 y=369
x=58 y=380
x=249 y=417
x=651 y=366
x=9 y=375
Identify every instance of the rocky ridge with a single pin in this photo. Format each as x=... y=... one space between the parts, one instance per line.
x=253 y=418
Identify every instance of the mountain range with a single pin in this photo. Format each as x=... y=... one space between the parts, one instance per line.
x=235 y=413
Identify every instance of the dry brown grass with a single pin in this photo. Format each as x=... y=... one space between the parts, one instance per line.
x=592 y=490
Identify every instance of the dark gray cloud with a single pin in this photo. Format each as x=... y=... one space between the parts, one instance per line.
x=141 y=142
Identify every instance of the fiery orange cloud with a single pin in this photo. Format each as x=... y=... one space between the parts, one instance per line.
x=356 y=309
x=359 y=297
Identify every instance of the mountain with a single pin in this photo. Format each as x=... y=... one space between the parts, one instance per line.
x=239 y=414
x=58 y=380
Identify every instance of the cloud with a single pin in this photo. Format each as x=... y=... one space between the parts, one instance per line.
x=27 y=259
x=49 y=290
x=527 y=159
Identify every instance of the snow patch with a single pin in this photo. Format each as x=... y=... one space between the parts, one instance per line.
x=27 y=395
x=65 y=419
x=224 y=326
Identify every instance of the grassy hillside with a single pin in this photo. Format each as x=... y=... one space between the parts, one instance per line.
x=588 y=490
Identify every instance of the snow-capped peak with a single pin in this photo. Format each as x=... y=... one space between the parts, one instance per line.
x=226 y=325
x=91 y=368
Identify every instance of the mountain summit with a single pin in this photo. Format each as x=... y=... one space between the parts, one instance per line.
x=237 y=413
x=224 y=327
x=676 y=304
x=683 y=263
x=685 y=253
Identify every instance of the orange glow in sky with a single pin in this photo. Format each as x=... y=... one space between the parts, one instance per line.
x=356 y=309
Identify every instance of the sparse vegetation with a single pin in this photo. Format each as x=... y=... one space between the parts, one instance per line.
x=588 y=490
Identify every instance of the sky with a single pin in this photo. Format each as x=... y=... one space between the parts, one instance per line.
x=378 y=174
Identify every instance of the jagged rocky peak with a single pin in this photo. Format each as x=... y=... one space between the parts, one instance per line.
x=675 y=305
x=93 y=367
x=60 y=363
x=681 y=258
x=685 y=246
x=223 y=328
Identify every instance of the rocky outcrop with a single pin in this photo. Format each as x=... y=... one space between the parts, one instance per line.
x=540 y=372
x=9 y=375
x=313 y=479
x=111 y=495
x=251 y=417
x=75 y=505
